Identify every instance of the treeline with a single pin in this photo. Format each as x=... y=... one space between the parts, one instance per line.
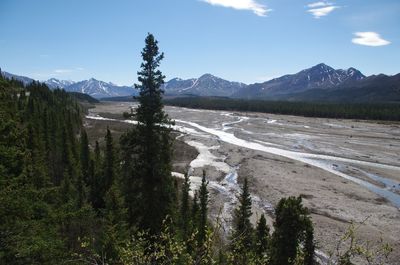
x=83 y=97
x=363 y=111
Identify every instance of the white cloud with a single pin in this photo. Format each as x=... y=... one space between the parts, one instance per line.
x=63 y=71
x=318 y=4
x=67 y=71
x=321 y=9
x=252 y=5
x=369 y=39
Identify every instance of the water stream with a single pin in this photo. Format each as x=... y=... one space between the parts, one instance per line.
x=325 y=162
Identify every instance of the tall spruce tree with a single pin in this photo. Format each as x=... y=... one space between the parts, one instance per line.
x=115 y=234
x=84 y=156
x=309 y=244
x=184 y=207
x=203 y=200
x=262 y=240
x=152 y=148
x=242 y=214
x=95 y=195
x=109 y=161
x=291 y=220
x=195 y=212
x=242 y=236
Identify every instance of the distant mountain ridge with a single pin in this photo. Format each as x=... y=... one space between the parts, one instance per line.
x=99 y=89
x=318 y=83
x=205 y=85
x=25 y=80
x=375 y=88
x=320 y=76
x=95 y=88
x=55 y=83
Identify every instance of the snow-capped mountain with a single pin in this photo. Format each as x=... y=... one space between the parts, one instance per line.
x=95 y=88
x=205 y=85
x=375 y=88
x=318 y=83
x=56 y=83
x=100 y=89
x=320 y=76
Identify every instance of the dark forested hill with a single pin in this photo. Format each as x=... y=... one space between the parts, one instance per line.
x=41 y=187
x=83 y=97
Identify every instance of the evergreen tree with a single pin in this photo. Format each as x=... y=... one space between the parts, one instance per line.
x=203 y=211
x=108 y=174
x=262 y=236
x=84 y=156
x=152 y=148
x=290 y=219
x=184 y=207
x=131 y=184
x=34 y=158
x=64 y=162
x=242 y=236
x=115 y=231
x=195 y=212
x=91 y=175
x=309 y=244
x=81 y=190
x=40 y=222
x=96 y=197
x=262 y=241
x=97 y=156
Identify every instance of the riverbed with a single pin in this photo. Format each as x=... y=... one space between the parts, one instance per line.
x=345 y=170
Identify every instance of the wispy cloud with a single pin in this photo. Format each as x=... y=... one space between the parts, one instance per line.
x=63 y=71
x=318 y=4
x=251 y=5
x=321 y=9
x=369 y=38
x=59 y=73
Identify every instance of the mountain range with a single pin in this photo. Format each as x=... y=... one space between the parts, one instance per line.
x=318 y=83
x=205 y=85
x=323 y=83
x=95 y=88
x=320 y=76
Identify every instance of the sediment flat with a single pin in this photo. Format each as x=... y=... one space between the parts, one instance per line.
x=345 y=170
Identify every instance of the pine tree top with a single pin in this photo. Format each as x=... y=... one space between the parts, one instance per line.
x=150 y=111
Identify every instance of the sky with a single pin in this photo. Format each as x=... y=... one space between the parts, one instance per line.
x=239 y=40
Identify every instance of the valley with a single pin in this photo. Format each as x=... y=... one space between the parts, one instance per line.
x=345 y=170
x=202 y=132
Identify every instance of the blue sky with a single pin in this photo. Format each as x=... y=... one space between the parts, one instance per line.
x=240 y=40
